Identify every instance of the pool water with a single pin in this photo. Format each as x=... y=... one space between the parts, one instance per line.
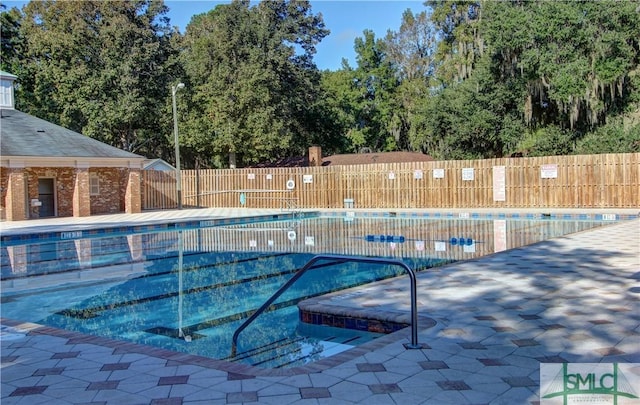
x=189 y=289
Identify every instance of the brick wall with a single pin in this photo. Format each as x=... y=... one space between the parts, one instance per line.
x=64 y=184
x=4 y=183
x=12 y=188
x=111 y=199
x=113 y=187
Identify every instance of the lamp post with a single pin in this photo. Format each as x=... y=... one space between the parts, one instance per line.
x=174 y=89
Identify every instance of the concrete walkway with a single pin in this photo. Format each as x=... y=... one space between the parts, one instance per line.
x=571 y=299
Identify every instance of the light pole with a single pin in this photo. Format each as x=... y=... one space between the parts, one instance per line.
x=174 y=89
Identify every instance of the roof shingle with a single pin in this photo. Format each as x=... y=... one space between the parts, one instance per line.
x=25 y=135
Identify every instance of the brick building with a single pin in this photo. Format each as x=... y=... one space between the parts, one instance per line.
x=50 y=171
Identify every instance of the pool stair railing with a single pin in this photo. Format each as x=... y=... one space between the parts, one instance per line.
x=339 y=259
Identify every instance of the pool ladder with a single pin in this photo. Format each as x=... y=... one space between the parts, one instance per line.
x=339 y=259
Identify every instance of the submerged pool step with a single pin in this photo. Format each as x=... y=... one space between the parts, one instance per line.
x=310 y=343
x=265 y=350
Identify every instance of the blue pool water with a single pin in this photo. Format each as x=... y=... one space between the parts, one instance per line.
x=188 y=289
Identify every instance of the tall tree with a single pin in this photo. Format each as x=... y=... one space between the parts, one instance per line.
x=341 y=100
x=11 y=39
x=411 y=51
x=374 y=81
x=461 y=43
x=553 y=71
x=574 y=56
x=412 y=48
x=101 y=68
x=255 y=89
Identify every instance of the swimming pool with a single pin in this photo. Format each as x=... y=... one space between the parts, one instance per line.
x=188 y=288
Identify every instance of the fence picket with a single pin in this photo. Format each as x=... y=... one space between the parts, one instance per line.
x=582 y=181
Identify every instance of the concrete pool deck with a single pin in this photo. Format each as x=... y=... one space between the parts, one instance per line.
x=570 y=299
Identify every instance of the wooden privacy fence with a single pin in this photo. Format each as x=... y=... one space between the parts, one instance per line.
x=580 y=181
x=159 y=190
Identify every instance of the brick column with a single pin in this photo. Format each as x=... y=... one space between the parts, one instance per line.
x=81 y=193
x=132 y=197
x=15 y=203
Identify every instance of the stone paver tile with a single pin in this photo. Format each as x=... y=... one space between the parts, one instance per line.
x=323 y=380
x=88 y=375
x=237 y=376
x=503 y=329
x=433 y=365
x=254 y=384
x=579 y=336
x=485 y=318
x=65 y=355
x=525 y=362
x=206 y=397
x=402 y=367
x=552 y=326
x=183 y=390
x=48 y=371
x=448 y=385
x=610 y=351
x=241 y=397
x=492 y=362
x=463 y=364
x=154 y=392
x=447 y=398
x=601 y=321
x=473 y=345
x=73 y=396
x=175 y=379
x=529 y=317
x=204 y=380
x=103 y=385
x=519 y=381
x=189 y=369
x=461 y=374
x=405 y=398
x=32 y=390
x=227 y=386
x=517 y=395
x=478 y=397
x=115 y=366
x=364 y=378
x=370 y=367
x=278 y=389
x=166 y=401
x=384 y=388
x=136 y=387
x=551 y=359
x=349 y=391
x=281 y=400
x=525 y=342
x=314 y=392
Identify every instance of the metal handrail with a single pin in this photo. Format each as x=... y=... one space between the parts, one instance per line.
x=340 y=259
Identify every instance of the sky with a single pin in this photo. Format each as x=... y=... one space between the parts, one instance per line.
x=346 y=19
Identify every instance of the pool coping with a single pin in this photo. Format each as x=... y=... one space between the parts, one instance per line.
x=239 y=370
x=73 y=232
x=81 y=231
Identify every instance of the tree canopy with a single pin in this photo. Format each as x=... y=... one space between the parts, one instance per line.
x=100 y=68
x=459 y=79
x=254 y=88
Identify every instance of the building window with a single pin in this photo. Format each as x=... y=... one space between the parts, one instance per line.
x=94 y=184
x=6 y=93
